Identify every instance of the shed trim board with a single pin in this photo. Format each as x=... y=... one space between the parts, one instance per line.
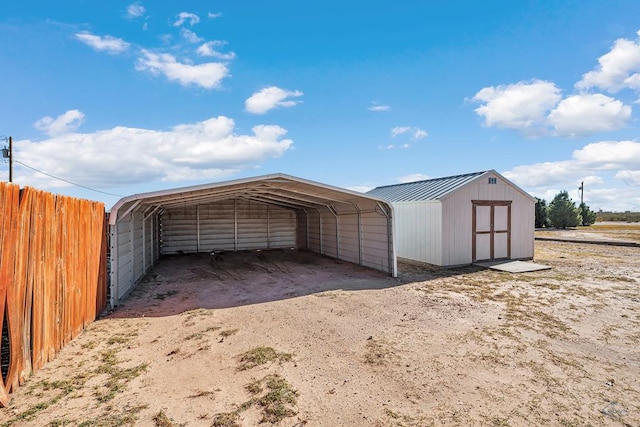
x=437 y=220
x=265 y=212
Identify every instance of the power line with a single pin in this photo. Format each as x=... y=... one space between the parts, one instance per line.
x=67 y=181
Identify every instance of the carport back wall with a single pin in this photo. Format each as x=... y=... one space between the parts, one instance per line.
x=227 y=225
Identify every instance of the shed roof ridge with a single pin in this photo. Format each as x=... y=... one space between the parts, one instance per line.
x=442 y=178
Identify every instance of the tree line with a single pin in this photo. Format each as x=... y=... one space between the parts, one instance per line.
x=562 y=212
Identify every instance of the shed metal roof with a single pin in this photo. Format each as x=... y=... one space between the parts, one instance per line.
x=277 y=189
x=429 y=189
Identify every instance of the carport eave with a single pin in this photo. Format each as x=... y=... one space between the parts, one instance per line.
x=162 y=198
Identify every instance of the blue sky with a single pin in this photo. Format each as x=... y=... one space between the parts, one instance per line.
x=129 y=97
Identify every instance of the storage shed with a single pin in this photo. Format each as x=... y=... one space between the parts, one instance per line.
x=458 y=220
x=267 y=212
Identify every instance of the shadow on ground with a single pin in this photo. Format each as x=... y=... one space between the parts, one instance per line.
x=186 y=282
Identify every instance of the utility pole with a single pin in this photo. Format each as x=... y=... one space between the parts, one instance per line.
x=8 y=154
x=581 y=188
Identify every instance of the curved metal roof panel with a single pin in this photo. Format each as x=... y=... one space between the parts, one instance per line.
x=279 y=189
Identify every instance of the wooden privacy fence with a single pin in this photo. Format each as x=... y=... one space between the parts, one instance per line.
x=52 y=276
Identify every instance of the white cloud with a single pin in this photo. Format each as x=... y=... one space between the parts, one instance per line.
x=270 y=98
x=377 y=107
x=214 y=15
x=416 y=133
x=207 y=49
x=399 y=130
x=630 y=177
x=587 y=114
x=107 y=43
x=190 y=36
x=135 y=10
x=609 y=154
x=64 y=123
x=522 y=106
x=183 y=17
x=600 y=165
x=125 y=156
x=419 y=133
x=543 y=174
x=412 y=178
x=208 y=75
x=618 y=69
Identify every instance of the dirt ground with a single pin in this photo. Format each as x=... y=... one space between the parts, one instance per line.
x=293 y=339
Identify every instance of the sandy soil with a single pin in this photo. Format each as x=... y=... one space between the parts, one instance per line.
x=343 y=345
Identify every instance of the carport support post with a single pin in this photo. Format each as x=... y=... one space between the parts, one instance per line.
x=144 y=245
x=359 y=237
x=197 y=228
x=235 y=224
x=306 y=215
x=132 y=244
x=320 y=229
x=268 y=229
x=331 y=209
x=389 y=238
x=114 y=265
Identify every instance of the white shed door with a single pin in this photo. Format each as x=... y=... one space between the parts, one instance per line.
x=491 y=230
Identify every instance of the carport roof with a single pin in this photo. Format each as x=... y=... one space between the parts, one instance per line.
x=277 y=189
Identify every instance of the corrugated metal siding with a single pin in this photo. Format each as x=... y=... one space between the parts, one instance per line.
x=314 y=231
x=375 y=240
x=217 y=226
x=419 y=231
x=430 y=189
x=228 y=225
x=124 y=262
x=457 y=219
x=138 y=269
x=349 y=238
x=282 y=227
x=301 y=231
x=329 y=235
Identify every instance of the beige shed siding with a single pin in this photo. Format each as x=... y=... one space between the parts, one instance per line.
x=457 y=223
x=419 y=231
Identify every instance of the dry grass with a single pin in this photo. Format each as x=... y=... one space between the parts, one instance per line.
x=199 y=335
x=228 y=332
x=162 y=420
x=378 y=352
x=261 y=355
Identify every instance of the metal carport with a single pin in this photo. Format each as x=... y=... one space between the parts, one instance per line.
x=266 y=212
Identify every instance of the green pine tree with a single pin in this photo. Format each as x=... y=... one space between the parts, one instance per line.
x=542 y=216
x=563 y=212
x=588 y=216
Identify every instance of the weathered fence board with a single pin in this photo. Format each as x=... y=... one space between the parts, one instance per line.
x=52 y=276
